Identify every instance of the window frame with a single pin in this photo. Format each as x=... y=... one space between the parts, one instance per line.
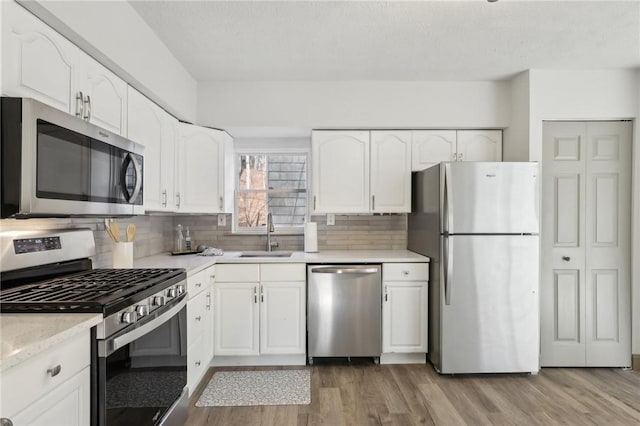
x=279 y=230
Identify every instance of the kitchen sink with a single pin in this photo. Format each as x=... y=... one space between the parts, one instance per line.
x=265 y=254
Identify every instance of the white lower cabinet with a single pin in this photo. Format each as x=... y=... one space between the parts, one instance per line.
x=404 y=309
x=52 y=388
x=199 y=326
x=263 y=312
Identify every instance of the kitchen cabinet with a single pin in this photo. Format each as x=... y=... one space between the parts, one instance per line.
x=151 y=126
x=52 y=388
x=361 y=171
x=199 y=325
x=73 y=82
x=431 y=147
x=260 y=309
x=404 y=307
x=204 y=172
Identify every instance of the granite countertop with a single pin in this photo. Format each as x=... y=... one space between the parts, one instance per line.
x=22 y=339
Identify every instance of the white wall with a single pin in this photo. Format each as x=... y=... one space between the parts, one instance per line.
x=354 y=104
x=593 y=95
x=517 y=134
x=114 y=34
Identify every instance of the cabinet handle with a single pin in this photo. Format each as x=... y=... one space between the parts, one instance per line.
x=373 y=202
x=314 y=202
x=198 y=318
x=178 y=199
x=5 y=422
x=79 y=104
x=386 y=293
x=221 y=203
x=455 y=157
x=87 y=111
x=213 y=278
x=255 y=295
x=566 y=258
x=164 y=198
x=208 y=306
x=54 y=371
x=405 y=273
x=460 y=157
x=198 y=363
x=261 y=294
x=198 y=284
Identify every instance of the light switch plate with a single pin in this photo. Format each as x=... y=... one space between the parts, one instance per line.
x=331 y=219
x=222 y=220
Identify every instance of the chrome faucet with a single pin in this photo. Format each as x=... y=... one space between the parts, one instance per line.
x=270 y=229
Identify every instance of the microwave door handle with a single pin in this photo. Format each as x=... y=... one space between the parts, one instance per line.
x=138 y=186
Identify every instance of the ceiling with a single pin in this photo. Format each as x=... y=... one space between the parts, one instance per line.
x=418 y=40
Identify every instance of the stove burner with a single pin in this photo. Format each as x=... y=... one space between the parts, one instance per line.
x=97 y=290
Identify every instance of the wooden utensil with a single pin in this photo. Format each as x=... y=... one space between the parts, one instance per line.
x=114 y=231
x=131 y=232
x=107 y=227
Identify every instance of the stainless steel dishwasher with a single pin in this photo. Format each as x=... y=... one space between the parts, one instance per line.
x=344 y=316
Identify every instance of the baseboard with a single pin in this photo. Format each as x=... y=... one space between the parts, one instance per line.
x=234 y=361
x=415 y=358
x=635 y=362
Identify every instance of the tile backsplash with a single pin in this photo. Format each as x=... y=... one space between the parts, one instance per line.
x=155 y=234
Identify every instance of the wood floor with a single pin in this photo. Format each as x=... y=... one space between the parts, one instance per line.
x=368 y=394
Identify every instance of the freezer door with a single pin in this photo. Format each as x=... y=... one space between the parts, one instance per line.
x=490 y=198
x=490 y=307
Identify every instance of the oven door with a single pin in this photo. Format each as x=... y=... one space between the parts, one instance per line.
x=142 y=371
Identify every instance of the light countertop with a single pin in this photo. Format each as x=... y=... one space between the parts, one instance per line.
x=21 y=339
x=191 y=262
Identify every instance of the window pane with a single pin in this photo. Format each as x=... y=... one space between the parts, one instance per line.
x=252 y=172
x=252 y=209
x=287 y=171
x=288 y=209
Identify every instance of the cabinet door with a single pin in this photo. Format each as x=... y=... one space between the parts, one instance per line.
x=68 y=404
x=200 y=170
x=391 y=171
x=282 y=318
x=37 y=62
x=105 y=96
x=152 y=127
x=479 y=145
x=340 y=171
x=431 y=147
x=236 y=319
x=404 y=317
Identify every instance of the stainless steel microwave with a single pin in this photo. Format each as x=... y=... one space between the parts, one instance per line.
x=58 y=165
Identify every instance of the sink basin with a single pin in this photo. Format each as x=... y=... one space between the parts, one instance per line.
x=266 y=254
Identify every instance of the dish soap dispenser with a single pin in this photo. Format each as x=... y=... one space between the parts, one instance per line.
x=179 y=246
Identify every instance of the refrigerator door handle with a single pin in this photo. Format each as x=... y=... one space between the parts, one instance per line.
x=448 y=269
x=448 y=204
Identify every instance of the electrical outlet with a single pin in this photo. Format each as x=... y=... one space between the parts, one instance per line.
x=331 y=219
x=222 y=220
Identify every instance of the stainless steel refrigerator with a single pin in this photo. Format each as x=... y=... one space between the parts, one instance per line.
x=478 y=222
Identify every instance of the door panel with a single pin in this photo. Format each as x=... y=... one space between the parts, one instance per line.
x=479 y=145
x=585 y=235
x=430 y=147
x=390 y=171
x=491 y=320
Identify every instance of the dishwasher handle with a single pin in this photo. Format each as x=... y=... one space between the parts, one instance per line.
x=345 y=270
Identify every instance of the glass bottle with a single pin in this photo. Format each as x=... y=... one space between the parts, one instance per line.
x=179 y=246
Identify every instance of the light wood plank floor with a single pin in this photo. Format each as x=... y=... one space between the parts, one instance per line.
x=366 y=394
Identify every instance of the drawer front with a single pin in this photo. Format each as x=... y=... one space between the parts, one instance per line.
x=405 y=272
x=196 y=317
x=283 y=272
x=24 y=383
x=198 y=282
x=238 y=273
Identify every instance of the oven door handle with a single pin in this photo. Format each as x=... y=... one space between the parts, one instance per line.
x=118 y=342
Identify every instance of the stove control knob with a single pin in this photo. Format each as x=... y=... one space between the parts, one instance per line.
x=142 y=310
x=171 y=292
x=159 y=301
x=180 y=289
x=128 y=317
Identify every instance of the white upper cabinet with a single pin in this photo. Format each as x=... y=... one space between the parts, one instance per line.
x=340 y=171
x=479 y=145
x=431 y=147
x=391 y=171
x=361 y=171
x=104 y=96
x=151 y=126
x=37 y=62
x=200 y=179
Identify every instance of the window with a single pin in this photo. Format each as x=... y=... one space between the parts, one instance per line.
x=271 y=183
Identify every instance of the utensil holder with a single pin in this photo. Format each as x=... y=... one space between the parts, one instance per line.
x=123 y=255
